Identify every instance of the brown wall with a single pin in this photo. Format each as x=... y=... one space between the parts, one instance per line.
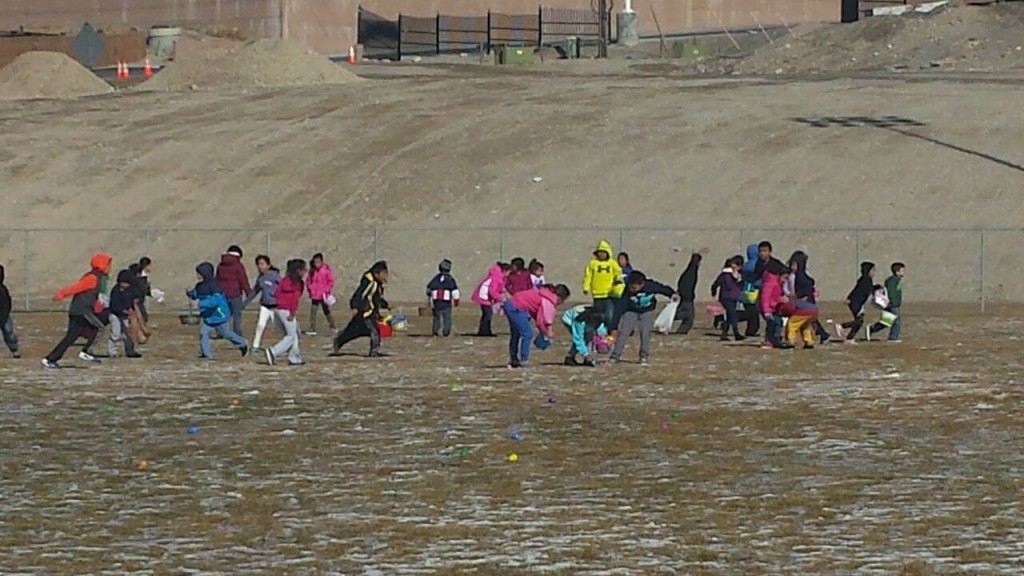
x=127 y=46
x=329 y=26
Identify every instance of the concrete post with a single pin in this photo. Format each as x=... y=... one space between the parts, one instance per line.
x=628 y=25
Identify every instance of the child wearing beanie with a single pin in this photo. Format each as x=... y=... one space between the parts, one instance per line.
x=443 y=292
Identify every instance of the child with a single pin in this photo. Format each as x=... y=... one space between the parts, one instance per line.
x=366 y=304
x=137 y=328
x=234 y=281
x=6 y=323
x=627 y=268
x=443 y=292
x=145 y=269
x=856 y=300
x=518 y=278
x=488 y=295
x=320 y=286
x=583 y=322
x=603 y=280
x=751 y=290
x=771 y=299
x=265 y=287
x=520 y=308
x=83 y=310
x=123 y=299
x=536 y=269
x=804 y=290
x=893 y=289
x=729 y=291
x=215 y=312
x=686 y=287
x=287 y=295
x=634 y=309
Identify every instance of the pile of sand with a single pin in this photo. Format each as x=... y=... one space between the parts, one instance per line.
x=959 y=37
x=48 y=75
x=251 y=65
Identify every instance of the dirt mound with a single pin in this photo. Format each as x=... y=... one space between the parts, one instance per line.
x=251 y=65
x=48 y=75
x=981 y=38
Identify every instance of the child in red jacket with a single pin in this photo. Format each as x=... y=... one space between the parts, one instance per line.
x=288 y=295
x=770 y=300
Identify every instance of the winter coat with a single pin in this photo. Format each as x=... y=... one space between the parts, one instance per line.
x=266 y=288
x=687 y=284
x=518 y=281
x=231 y=276
x=213 y=304
x=540 y=305
x=646 y=300
x=6 y=303
x=491 y=288
x=443 y=291
x=122 y=301
x=749 y=270
x=320 y=282
x=603 y=278
x=727 y=287
x=288 y=294
x=579 y=322
x=803 y=283
x=85 y=293
x=893 y=287
x=368 y=298
x=771 y=294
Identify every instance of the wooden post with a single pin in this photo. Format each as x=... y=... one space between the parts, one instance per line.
x=602 y=34
x=398 y=44
x=540 y=26
x=437 y=33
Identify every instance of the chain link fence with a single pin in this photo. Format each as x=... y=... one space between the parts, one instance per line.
x=955 y=265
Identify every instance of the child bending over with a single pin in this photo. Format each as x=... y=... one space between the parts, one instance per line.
x=583 y=322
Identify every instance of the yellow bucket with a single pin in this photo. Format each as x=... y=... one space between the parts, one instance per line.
x=887 y=319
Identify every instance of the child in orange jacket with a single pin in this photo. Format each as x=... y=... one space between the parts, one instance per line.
x=83 y=312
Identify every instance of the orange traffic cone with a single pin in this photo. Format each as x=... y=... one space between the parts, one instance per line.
x=351 y=54
x=147 y=70
x=127 y=71
x=120 y=69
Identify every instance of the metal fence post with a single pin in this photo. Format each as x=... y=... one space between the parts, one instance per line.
x=147 y=241
x=501 y=241
x=24 y=255
x=269 y=251
x=437 y=33
x=376 y=240
x=741 y=241
x=540 y=26
x=622 y=242
x=398 y=44
x=981 y=261
x=488 y=31
x=856 y=253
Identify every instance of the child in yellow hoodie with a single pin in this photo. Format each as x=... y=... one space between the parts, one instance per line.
x=603 y=281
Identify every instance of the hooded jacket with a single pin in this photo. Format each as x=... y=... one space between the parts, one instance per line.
x=519 y=281
x=231 y=276
x=893 y=287
x=443 y=291
x=540 y=305
x=603 y=278
x=122 y=300
x=771 y=294
x=368 y=298
x=288 y=294
x=266 y=288
x=580 y=320
x=749 y=270
x=5 y=299
x=320 y=282
x=85 y=293
x=863 y=290
x=727 y=287
x=646 y=300
x=213 y=305
x=803 y=283
x=490 y=289
x=687 y=284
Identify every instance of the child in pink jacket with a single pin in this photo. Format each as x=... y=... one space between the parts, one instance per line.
x=520 y=308
x=770 y=299
x=488 y=295
x=320 y=285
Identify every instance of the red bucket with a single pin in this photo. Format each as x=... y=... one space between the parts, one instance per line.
x=385 y=329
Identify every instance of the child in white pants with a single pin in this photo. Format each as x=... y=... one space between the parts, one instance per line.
x=266 y=287
x=288 y=295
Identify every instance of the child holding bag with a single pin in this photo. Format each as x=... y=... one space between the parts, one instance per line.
x=321 y=287
x=538 y=305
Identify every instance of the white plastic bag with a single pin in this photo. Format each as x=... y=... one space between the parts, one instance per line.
x=330 y=300
x=881 y=298
x=663 y=323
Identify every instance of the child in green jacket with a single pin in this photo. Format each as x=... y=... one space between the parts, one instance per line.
x=894 y=289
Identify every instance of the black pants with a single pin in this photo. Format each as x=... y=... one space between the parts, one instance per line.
x=77 y=326
x=359 y=327
x=753 y=316
x=486 y=316
x=854 y=325
x=442 y=320
x=731 y=319
x=685 y=314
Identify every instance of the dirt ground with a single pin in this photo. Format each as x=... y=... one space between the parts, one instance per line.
x=716 y=459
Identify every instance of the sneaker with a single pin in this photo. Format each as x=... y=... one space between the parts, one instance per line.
x=723 y=338
x=767 y=346
x=15 y=355
x=570 y=361
x=133 y=355
x=645 y=362
x=867 y=333
x=50 y=365
x=839 y=330
x=850 y=342
x=378 y=354
x=741 y=338
x=244 y=350
x=269 y=356
x=514 y=364
x=88 y=357
x=310 y=332
x=896 y=341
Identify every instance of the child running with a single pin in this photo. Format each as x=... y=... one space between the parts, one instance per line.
x=123 y=299
x=603 y=281
x=730 y=292
x=287 y=295
x=520 y=308
x=686 y=287
x=85 y=304
x=443 y=292
x=232 y=278
x=856 y=300
x=488 y=295
x=6 y=322
x=634 y=310
x=214 y=311
x=805 y=291
x=894 y=290
x=266 y=288
x=584 y=323
x=321 y=288
x=771 y=299
x=366 y=304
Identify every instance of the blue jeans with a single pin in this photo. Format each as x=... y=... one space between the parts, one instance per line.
x=225 y=331
x=894 y=330
x=237 y=305
x=521 y=334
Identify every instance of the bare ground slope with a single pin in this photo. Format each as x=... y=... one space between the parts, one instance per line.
x=613 y=151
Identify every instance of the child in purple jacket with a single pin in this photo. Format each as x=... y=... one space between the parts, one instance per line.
x=729 y=290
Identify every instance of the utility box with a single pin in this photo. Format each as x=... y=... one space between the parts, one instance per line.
x=572 y=47
x=514 y=55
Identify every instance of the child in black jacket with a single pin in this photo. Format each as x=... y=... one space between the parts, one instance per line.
x=443 y=292
x=687 y=290
x=856 y=300
x=6 y=324
x=366 y=304
x=634 y=310
x=123 y=299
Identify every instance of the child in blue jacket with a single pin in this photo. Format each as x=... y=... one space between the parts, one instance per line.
x=214 y=311
x=583 y=322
